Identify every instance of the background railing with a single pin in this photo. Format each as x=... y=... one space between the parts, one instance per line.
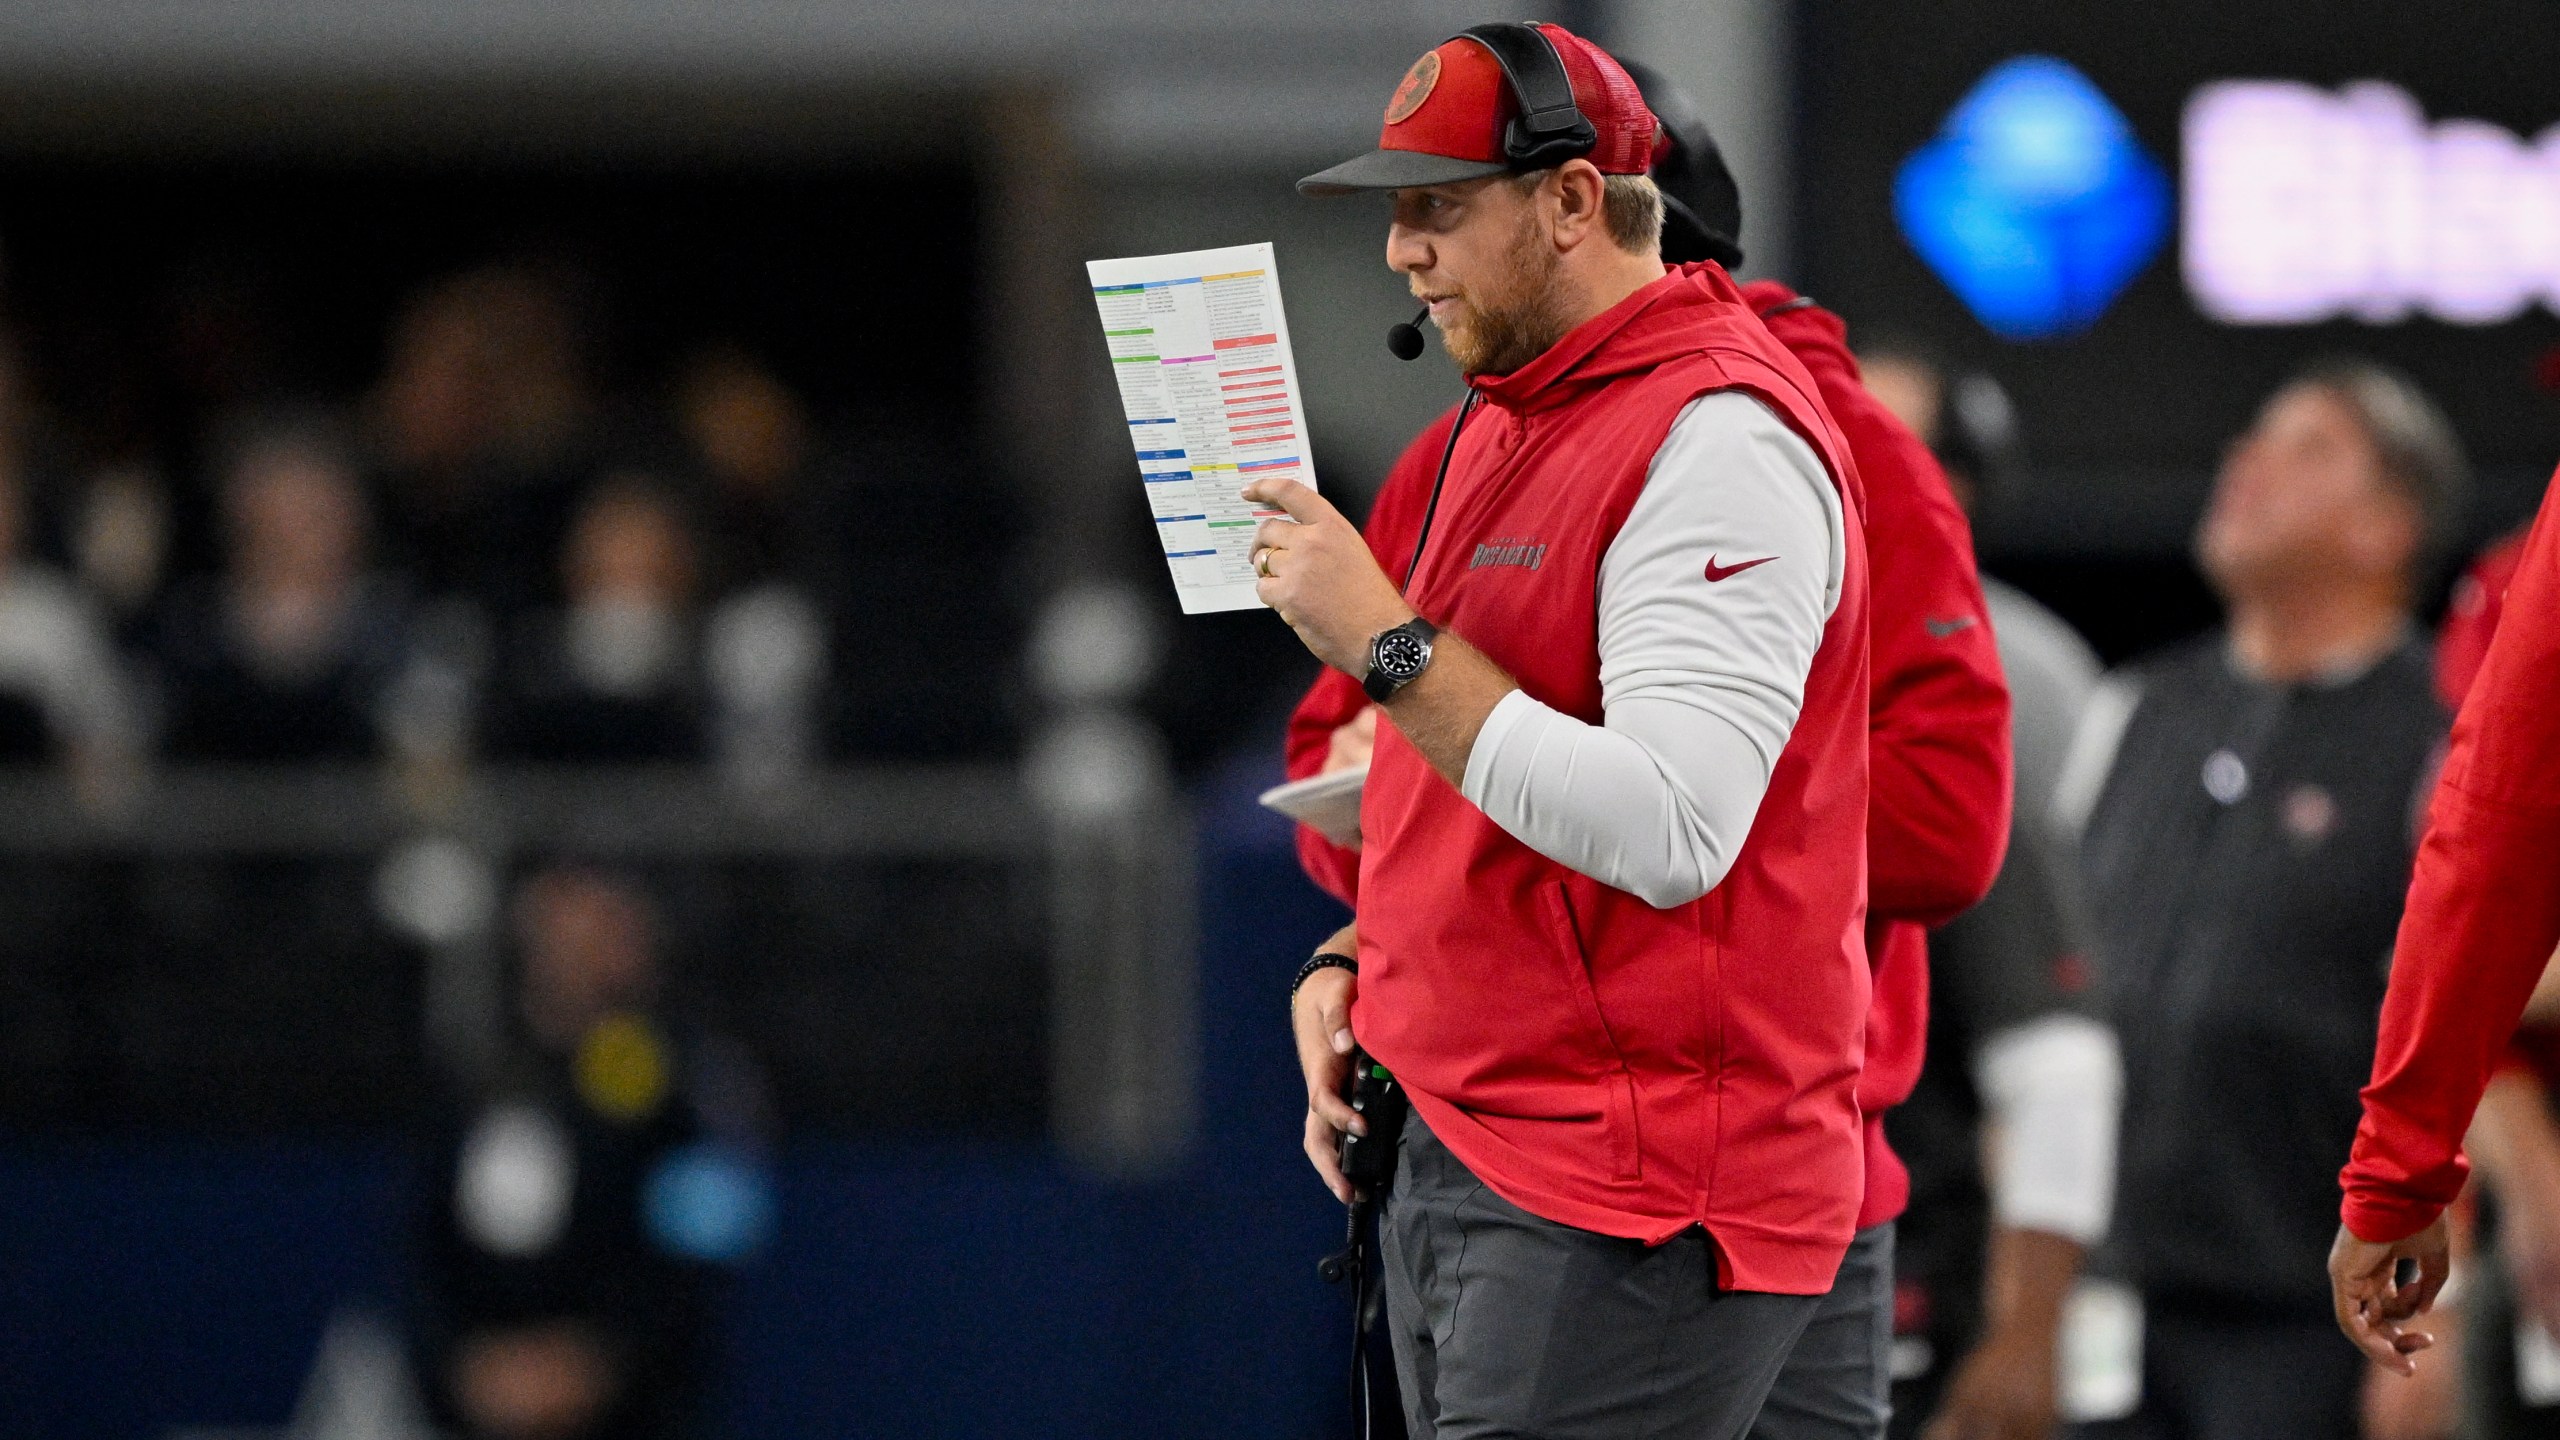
x=917 y=950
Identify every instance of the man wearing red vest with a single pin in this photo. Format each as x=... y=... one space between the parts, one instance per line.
x=1612 y=895
x=1937 y=808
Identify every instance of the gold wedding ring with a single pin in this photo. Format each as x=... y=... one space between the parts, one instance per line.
x=1262 y=562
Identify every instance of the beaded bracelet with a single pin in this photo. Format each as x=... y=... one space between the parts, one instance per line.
x=1322 y=960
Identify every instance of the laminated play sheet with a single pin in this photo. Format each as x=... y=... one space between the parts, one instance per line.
x=1200 y=348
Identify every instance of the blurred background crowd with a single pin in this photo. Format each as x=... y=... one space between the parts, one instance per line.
x=476 y=553
x=607 y=826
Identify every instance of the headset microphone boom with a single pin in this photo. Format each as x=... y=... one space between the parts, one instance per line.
x=1404 y=338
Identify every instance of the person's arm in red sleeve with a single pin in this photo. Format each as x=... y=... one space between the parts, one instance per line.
x=1335 y=699
x=1938 y=753
x=2482 y=919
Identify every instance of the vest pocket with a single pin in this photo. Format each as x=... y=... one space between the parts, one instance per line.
x=1591 y=1029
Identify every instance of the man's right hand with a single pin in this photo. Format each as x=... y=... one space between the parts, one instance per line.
x=1321 y=1018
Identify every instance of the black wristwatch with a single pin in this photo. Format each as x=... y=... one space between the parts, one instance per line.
x=1396 y=656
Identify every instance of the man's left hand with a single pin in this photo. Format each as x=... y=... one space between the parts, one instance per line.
x=1354 y=742
x=2373 y=1306
x=1318 y=574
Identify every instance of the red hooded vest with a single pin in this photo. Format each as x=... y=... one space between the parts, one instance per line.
x=1597 y=1061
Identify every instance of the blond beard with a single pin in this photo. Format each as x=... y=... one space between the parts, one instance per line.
x=1516 y=323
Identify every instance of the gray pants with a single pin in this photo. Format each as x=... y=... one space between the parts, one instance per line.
x=1838 y=1381
x=1510 y=1327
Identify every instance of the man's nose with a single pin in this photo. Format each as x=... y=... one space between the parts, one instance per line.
x=1407 y=251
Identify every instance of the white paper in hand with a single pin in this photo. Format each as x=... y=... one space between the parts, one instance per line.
x=1200 y=348
x=1330 y=803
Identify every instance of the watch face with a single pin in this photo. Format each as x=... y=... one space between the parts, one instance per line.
x=1401 y=654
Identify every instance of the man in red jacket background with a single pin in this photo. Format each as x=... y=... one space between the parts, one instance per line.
x=1613 y=885
x=2480 y=926
x=1939 y=783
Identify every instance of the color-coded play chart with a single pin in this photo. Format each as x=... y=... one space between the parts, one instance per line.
x=1201 y=350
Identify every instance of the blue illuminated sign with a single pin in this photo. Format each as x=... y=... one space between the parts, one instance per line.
x=2035 y=203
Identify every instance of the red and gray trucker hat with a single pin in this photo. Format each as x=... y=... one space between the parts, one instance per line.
x=1446 y=121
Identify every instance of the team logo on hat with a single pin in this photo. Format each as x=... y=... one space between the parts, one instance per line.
x=1415 y=89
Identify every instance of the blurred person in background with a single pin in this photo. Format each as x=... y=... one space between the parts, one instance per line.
x=768 y=534
x=287 y=652
x=63 y=693
x=611 y=674
x=1967 y=420
x=845 y=574
x=1908 y=379
x=581 y=1207
x=120 y=539
x=2250 y=801
x=481 y=424
x=632 y=667
x=2472 y=613
x=1937 y=815
x=2011 y=1132
x=748 y=437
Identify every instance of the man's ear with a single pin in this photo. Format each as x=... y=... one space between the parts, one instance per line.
x=1580 y=195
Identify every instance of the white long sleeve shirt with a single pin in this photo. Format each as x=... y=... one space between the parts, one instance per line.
x=2051 y=1089
x=1712 y=601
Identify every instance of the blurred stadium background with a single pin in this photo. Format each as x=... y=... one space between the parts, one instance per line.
x=440 y=441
